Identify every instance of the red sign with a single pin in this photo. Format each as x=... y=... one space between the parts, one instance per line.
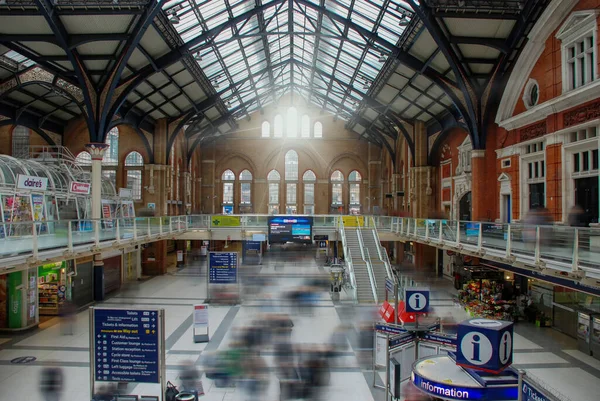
x=450 y=253
x=80 y=187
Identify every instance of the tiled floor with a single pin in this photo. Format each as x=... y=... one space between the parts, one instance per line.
x=545 y=353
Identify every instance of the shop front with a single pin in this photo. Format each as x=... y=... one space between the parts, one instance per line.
x=18 y=300
x=82 y=282
x=486 y=293
x=52 y=288
x=112 y=271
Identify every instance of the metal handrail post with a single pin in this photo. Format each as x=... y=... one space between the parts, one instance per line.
x=34 y=242
x=69 y=236
x=508 y=241
x=118 y=231
x=426 y=230
x=160 y=225
x=480 y=237
x=97 y=231
x=457 y=232
x=441 y=235
x=576 y=250
x=537 y=244
x=135 y=229
x=148 y=228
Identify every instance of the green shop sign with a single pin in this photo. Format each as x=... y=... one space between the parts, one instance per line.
x=15 y=302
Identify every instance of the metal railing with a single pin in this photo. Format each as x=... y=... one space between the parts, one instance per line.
x=367 y=259
x=347 y=256
x=564 y=249
x=571 y=249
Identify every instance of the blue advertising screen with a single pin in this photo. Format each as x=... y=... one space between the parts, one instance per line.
x=126 y=345
x=222 y=268
x=290 y=229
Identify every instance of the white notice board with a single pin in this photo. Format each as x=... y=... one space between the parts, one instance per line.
x=381 y=349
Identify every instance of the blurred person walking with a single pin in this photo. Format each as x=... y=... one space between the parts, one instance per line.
x=51 y=383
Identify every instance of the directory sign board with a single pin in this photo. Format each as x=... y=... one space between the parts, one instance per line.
x=222 y=267
x=290 y=229
x=127 y=345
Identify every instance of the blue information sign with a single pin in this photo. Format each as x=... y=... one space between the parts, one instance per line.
x=441 y=338
x=384 y=328
x=126 y=345
x=417 y=299
x=530 y=393
x=453 y=392
x=222 y=268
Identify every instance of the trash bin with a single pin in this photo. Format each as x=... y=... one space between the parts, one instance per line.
x=186 y=396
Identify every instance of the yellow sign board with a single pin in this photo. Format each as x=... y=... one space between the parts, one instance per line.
x=225 y=221
x=353 y=221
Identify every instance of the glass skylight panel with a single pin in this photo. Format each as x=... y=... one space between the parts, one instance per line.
x=18 y=58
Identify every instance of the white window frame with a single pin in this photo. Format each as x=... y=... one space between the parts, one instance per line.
x=578 y=26
x=525 y=181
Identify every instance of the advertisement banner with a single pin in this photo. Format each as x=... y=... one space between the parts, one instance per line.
x=32 y=183
x=15 y=303
x=353 y=221
x=82 y=188
x=225 y=221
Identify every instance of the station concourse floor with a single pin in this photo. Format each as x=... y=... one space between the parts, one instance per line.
x=549 y=355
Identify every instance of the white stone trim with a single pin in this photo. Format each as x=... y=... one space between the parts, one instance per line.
x=477 y=153
x=505 y=189
x=560 y=103
x=572 y=31
x=526 y=98
x=550 y=19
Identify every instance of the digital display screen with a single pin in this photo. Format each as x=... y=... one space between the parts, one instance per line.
x=290 y=229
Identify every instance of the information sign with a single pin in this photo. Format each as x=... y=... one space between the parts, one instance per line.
x=222 y=268
x=417 y=299
x=441 y=338
x=126 y=345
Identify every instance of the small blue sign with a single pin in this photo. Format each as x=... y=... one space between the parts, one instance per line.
x=452 y=392
x=384 y=328
x=389 y=285
x=417 y=300
x=402 y=339
x=222 y=268
x=530 y=393
x=126 y=346
x=485 y=344
x=446 y=339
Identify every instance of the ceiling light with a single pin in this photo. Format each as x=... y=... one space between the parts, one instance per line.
x=461 y=3
x=382 y=58
x=404 y=21
x=198 y=57
x=174 y=19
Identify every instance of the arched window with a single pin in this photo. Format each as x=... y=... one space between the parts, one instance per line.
x=84 y=159
x=228 y=178
x=291 y=166
x=273 y=177
x=134 y=163
x=278 y=126
x=110 y=161
x=318 y=133
x=337 y=178
x=246 y=187
x=305 y=126
x=309 y=178
x=354 y=179
x=292 y=123
x=266 y=129
x=20 y=142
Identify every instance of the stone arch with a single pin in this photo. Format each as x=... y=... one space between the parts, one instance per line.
x=225 y=162
x=316 y=166
x=359 y=165
x=37 y=130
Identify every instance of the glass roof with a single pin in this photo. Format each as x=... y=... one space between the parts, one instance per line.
x=271 y=49
x=22 y=61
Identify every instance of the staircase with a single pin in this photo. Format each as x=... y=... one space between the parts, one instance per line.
x=364 y=290
x=372 y=250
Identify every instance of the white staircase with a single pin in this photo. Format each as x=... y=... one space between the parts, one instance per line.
x=364 y=289
x=373 y=251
